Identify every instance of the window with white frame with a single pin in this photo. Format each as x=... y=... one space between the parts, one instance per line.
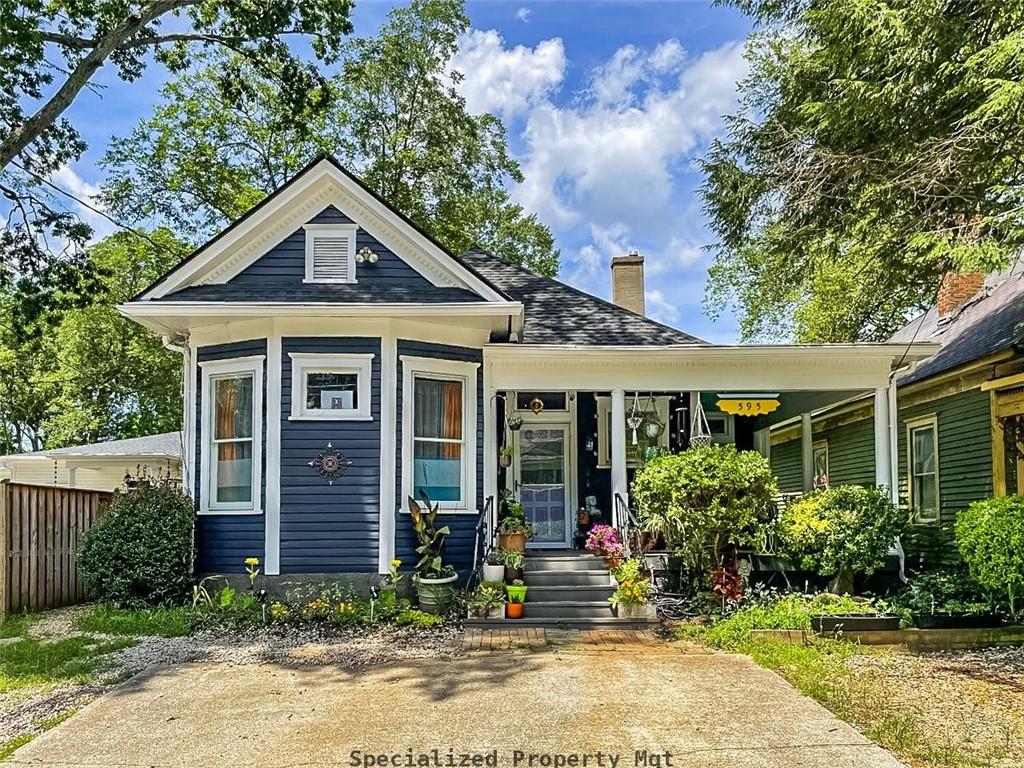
x=819 y=464
x=330 y=387
x=439 y=432
x=330 y=253
x=923 y=469
x=231 y=431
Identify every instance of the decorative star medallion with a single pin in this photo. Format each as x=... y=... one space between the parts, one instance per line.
x=331 y=464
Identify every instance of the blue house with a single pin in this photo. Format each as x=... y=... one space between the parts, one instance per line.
x=338 y=360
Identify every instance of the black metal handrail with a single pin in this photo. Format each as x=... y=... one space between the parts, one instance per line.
x=481 y=532
x=626 y=521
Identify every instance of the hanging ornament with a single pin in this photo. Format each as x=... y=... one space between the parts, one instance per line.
x=700 y=432
x=330 y=464
x=653 y=427
x=512 y=418
x=635 y=418
x=536 y=405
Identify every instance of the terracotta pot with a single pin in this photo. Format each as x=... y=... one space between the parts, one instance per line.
x=513 y=610
x=513 y=541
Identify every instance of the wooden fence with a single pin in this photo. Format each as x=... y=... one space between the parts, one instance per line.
x=41 y=531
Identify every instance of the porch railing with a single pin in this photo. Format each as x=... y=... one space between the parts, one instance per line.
x=626 y=522
x=482 y=539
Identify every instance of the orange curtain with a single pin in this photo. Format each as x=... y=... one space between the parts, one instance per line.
x=227 y=404
x=452 y=425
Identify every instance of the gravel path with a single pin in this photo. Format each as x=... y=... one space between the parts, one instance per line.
x=26 y=710
x=974 y=699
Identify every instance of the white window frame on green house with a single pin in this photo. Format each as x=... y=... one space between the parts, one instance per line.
x=306 y=363
x=919 y=515
x=213 y=371
x=819 y=448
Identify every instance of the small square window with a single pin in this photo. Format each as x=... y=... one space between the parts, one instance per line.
x=330 y=386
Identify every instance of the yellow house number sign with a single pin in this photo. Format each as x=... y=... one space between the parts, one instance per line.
x=754 y=405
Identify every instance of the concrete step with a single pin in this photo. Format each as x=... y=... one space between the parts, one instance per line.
x=548 y=578
x=563 y=563
x=611 y=622
x=569 y=593
x=567 y=610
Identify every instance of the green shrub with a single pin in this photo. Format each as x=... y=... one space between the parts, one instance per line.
x=841 y=531
x=417 y=619
x=140 y=552
x=704 y=499
x=990 y=537
x=947 y=590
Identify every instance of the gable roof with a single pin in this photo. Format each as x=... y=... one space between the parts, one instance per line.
x=990 y=322
x=556 y=313
x=323 y=181
x=165 y=445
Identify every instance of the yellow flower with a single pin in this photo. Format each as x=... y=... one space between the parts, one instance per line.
x=252 y=561
x=396 y=563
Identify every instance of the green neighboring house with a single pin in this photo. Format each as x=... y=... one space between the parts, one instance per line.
x=959 y=428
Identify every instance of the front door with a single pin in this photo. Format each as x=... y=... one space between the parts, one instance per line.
x=542 y=479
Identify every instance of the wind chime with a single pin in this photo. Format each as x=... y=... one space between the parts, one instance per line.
x=700 y=432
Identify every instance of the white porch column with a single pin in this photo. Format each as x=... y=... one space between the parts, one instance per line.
x=618 y=440
x=807 y=450
x=882 y=461
x=272 y=514
x=388 y=466
x=490 y=450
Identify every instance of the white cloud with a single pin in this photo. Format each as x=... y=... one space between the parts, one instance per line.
x=660 y=307
x=613 y=156
x=523 y=14
x=507 y=81
x=67 y=179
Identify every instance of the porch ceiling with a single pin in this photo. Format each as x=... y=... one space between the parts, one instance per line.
x=723 y=368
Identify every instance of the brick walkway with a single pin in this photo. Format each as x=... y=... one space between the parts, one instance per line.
x=534 y=637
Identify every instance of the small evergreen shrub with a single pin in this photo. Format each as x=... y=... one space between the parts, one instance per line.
x=841 y=531
x=990 y=537
x=140 y=552
x=704 y=499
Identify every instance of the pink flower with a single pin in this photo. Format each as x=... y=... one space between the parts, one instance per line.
x=604 y=540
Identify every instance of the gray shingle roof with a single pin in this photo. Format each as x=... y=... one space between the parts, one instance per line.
x=556 y=313
x=166 y=444
x=368 y=293
x=990 y=322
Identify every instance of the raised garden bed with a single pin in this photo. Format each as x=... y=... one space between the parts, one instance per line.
x=956 y=620
x=854 y=623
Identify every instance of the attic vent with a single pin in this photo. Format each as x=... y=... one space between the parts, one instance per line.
x=330 y=253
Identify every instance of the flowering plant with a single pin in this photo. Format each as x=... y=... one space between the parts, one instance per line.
x=603 y=540
x=252 y=567
x=634 y=587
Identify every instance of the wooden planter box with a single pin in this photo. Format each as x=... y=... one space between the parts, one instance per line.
x=854 y=623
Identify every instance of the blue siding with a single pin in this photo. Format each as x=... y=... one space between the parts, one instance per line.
x=224 y=541
x=325 y=528
x=285 y=264
x=459 y=551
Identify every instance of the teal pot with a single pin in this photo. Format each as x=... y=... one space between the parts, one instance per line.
x=435 y=595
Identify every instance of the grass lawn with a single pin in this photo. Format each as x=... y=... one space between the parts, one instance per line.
x=30 y=661
x=162 y=622
x=881 y=692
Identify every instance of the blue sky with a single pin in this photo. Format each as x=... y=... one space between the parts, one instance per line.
x=607 y=105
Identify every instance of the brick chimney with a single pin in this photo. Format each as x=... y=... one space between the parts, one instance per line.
x=956 y=289
x=628 y=282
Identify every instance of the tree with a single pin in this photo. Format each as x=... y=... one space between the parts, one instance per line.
x=113 y=378
x=876 y=148
x=395 y=118
x=52 y=50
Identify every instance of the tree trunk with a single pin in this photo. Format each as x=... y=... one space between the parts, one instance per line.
x=842 y=584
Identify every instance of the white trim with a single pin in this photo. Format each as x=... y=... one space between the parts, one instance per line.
x=429 y=367
x=314 y=231
x=188 y=432
x=931 y=421
x=618 y=439
x=272 y=543
x=388 y=411
x=311 y=362
x=215 y=369
x=565 y=426
x=881 y=426
x=319 y=186
x=807 y=451
x=142 y=309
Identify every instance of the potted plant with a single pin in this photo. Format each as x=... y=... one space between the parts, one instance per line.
x=433 y=579
x=631 y=598
x=514 y=529
x=487 y=600
x=831 y=613
x=604 y=541
x=494 y=566
x=505 y=456
x=513 y=561
x=516 y=592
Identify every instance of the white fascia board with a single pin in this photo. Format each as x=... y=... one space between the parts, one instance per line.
x=321 y=185
x=142 y=309
x=866 y=350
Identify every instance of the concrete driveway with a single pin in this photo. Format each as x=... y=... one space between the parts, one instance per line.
x=564 y=708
